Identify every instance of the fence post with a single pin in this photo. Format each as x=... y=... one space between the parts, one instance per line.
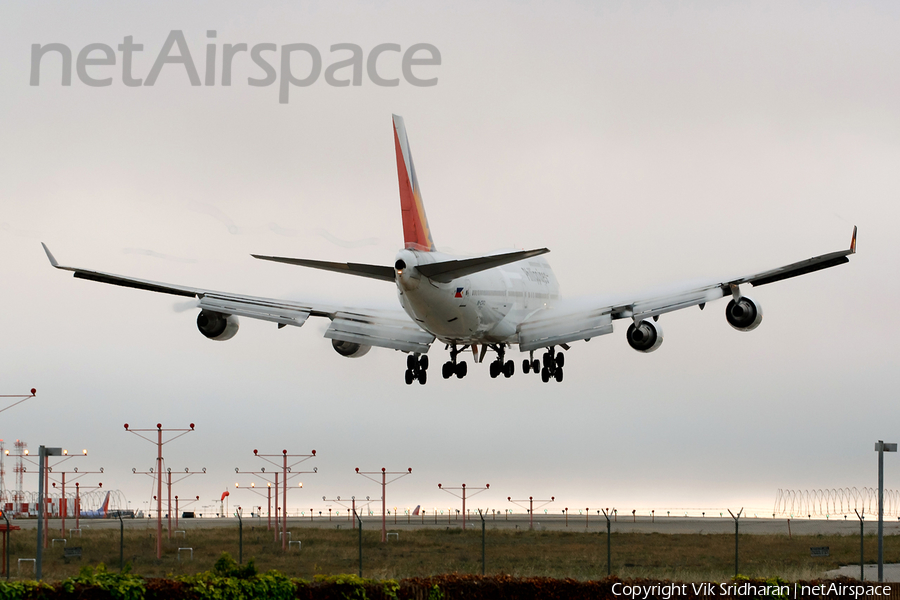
x=121 y=542
x=241 y=535
x=355 y=514
x=608 y=543
x=862 y=572
x=736 y=525
x=482 y=542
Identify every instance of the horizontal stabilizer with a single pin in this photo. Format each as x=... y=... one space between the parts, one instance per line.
x=447 y=271
x=371 y=271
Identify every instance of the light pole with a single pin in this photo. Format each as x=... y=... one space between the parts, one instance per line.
x=530 y=509
x=159 y=472
x=384 y=483
x=286 y=468
x=881 y=448
x=487 y=486
x=352 y=506
x=43 y=453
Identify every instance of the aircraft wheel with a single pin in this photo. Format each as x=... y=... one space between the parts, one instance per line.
x=509 y=369
x=559 y=374
x=447 y=370
x=423 y=362
x=548 y=359
x=526 y=366
x=411 y=362
x=409 y=377
x=536 y=366
x=560 y=359
x=545 y=374
x=423 y=377
x=495 y=369
x=461 y=370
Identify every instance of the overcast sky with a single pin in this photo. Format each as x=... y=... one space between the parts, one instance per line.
x=644 y=143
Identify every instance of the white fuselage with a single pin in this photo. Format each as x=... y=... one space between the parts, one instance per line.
x=484 y=307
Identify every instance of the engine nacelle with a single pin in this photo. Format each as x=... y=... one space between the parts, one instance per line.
x=645 y=337
x=744 y=315
x=350 y=349
x=217 y=326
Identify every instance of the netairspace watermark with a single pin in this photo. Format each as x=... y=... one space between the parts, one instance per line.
x=347 y=70
x=747 y=589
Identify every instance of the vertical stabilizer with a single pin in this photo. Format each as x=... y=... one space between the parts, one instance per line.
x=104 y=510
x=416 y=233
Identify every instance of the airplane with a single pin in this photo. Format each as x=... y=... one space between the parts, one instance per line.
x=489 y=302
x=100 y=513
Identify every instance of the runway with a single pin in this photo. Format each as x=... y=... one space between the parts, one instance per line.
x=574 y=523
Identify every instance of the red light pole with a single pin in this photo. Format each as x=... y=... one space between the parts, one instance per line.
x=22 y=398
x=267 y=495
x=196 y=498
x=384 y=483
x=187 y=473
x=530 y=508
x=265 y=477
x=286 y=468
x=78 y=489
x=487 y=486
x=47 y=471
x=63 y=501
x=159 y=472
x=351 y=509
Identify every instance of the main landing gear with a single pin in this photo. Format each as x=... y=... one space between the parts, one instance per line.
x=416 y=368
x=499 y=366
x=451 y=367
x=553 y=365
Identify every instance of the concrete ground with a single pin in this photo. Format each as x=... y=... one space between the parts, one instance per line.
x=623 y=524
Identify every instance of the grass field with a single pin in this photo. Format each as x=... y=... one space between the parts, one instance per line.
x=581 y=555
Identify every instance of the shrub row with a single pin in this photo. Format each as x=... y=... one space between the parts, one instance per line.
x=227 y=581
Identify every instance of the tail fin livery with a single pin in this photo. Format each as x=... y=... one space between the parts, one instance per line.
x=416 y=232
x=104 y=510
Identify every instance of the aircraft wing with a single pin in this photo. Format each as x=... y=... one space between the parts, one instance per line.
x=550 y=326
x=385 y=329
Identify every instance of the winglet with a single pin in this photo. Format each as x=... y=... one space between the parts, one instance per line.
x=853 y=242
x=53 y=261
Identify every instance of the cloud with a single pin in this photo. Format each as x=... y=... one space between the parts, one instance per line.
x=145 y=252
x=209 y=209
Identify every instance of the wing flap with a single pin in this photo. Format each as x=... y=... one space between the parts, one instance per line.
x=545 y=329
x=651 y=308
x=376 y=330
x=264 y=311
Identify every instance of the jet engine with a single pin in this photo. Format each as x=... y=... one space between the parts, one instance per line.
x=744 y=315
x=350 y=349
x=217 y=326
x=646 y=336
